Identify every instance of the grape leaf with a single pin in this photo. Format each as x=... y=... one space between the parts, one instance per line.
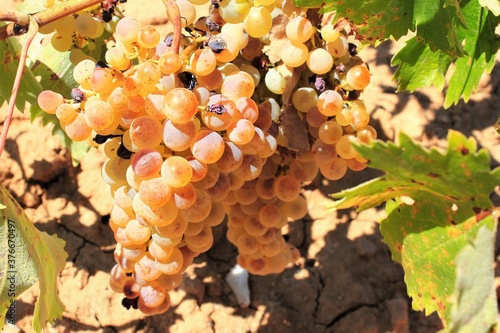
x=437 y=22
x=474 y=304
x=377 y=19
x=481 y=45
x=425 y=238
x=434 y=22
x=10 y=51
x=450 y=203
x=26 y=256
x=450 y=28
x=419 y=66
x=458 y=175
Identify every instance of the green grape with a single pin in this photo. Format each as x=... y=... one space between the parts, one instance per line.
x=338 y=47
x=234 y=11
x=203 y=61
x=49 y=100
x=149 y=73
x=85 y=25
x=304 y=98
x=329 y=33
x=330 y=132
x=207 y=146
x=294 y=53
x=148 y=37
x=65 y=26
x=99 y=115
x=238 y=84
x=319 y=61
x=127 y=30
x=274 y=81
x=334 y=170
x=78 y=129
x=176 y=171
x=258 y=22
x=82 y=72
x=358 y=77
x=299 y=29
x=101 y=80
x=136 y=233
x=99 y=29
x=180 y=105
x=61 y=43
x=345 y=148
x=220 y=113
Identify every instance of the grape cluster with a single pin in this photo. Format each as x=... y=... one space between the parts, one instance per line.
x=197 y=134
x=76 y=33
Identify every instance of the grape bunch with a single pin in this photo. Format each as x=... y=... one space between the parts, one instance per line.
x=202 y=131
x=77 y=33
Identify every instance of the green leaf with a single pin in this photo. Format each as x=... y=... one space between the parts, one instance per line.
x=10 y=51
x=458 y=175
x=448 y=202
x=426 y=238
x=497 y=125
x=26 y=256
x=419 y=66
x=481 y=45
x=437 y=22
x=474 y=304
x=450 y=28
x=493 y=5
x=376 y=19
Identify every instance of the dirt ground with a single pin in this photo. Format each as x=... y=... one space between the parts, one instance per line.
x=345 y=281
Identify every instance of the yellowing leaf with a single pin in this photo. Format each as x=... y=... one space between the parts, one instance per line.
x=474 y=302
x=26 y=256
x=450 y=202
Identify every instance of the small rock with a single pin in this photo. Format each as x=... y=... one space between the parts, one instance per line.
x=237 y=279
x=398 y=308
x=193 y=287
x=213 y=287
x=31 y=200
x=365 y=247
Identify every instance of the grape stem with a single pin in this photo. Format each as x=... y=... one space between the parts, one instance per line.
x=18 y=17
x=174 y=16
x=45 y=16
x=187 y=51
x=32 y=31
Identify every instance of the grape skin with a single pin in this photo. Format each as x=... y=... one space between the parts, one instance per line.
x=49 y=100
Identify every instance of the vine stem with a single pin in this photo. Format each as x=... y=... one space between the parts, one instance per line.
x=174 y=15
x=45 y=16
x=18 y=17
x=32 y=31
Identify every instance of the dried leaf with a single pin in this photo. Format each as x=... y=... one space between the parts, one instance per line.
x=294 y=130
x=277 y=37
